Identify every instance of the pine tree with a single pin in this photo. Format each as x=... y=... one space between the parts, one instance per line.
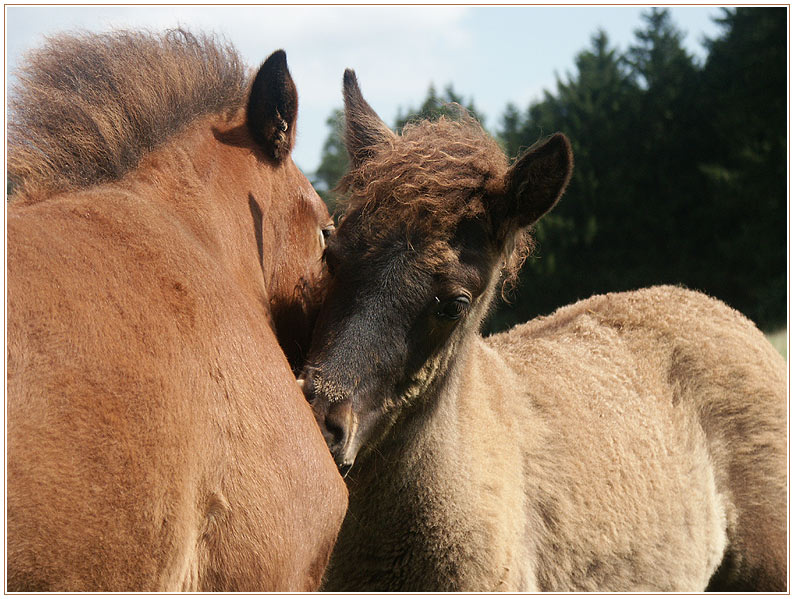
x=509 y=133
x=435 y=106
x=680 y=168
x=333 y=161
x=744 y=88
x=589 y=106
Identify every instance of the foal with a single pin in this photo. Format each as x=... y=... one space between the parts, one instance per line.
x=631 y=441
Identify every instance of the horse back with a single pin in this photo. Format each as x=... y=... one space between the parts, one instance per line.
x=682 y=399
x=156 y=437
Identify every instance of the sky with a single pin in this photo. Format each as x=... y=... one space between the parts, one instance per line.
x=492 y=55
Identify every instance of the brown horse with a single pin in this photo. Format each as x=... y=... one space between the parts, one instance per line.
x=160 y=243
x=632 y=441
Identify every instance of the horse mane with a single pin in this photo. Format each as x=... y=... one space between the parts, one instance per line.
x=429 y=179
x=88 y=107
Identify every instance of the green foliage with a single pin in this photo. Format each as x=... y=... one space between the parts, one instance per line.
x=680 y=172
x=744 y=90
x=658 y=60
x=779 y=340
x=435 y=106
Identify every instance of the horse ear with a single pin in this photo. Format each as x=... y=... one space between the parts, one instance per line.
x=273 y=107
x=363 y=127
x=537 y=180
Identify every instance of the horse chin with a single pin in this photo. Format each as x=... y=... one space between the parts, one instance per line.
x=346 y=455
x=344 y=460
x=344 y=469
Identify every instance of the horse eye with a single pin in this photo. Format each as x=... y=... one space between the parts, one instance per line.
x=453 y=309
x=328 y=231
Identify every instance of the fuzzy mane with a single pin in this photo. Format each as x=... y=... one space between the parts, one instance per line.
x=430 y=178
x=88 y=107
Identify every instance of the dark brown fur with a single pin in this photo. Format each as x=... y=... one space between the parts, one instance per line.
x=431 y=177
x=158 y=248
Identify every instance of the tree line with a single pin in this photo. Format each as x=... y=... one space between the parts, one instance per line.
x=680 y=168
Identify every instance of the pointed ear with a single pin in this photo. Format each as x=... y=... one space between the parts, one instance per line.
x=273 y=107
x=536 y=181
x=364 y=129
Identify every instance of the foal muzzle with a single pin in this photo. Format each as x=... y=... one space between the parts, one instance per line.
x=337 y=421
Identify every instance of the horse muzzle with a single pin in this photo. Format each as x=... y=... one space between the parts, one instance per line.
x=337 y=421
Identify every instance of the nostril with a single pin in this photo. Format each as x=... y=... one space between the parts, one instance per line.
x=337 y=424
x=335 y=429
x=333 y=412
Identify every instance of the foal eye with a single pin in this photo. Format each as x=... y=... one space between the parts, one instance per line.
x=452 y=309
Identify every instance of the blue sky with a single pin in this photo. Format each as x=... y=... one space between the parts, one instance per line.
x=493 y=55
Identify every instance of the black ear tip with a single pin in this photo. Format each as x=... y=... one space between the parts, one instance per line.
x=273 y=107
x=349 y=78
x=560 y=145
x=277 y=59
x=561 y=141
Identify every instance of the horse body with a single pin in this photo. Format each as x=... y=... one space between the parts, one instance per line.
x=678 y=428
x=629 y=442
x=579 y=452
x=156 y=438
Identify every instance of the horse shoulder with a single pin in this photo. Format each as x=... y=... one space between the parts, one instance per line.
x=485 y=456
x=150 y=372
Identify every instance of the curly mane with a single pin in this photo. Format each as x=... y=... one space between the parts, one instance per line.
x=432 y=175
x=88 y=107
x=429 y=179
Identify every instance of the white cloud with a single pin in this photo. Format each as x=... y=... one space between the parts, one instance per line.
x=494 y=55
x=396 y=51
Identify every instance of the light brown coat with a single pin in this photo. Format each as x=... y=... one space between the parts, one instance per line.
x=156 y=440
x=629 y=442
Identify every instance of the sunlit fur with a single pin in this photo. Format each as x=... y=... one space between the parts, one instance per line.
x=87 y=108
x=156 y=439
x=629 y=442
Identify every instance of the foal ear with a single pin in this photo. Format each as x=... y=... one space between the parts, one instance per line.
x=364 y=129
x=537 y=179
x=273 y=107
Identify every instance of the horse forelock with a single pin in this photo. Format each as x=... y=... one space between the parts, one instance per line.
x=430 y=177
x=88 y=107
x=428 y=180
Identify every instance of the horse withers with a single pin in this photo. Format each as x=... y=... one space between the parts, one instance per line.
x=161 y=243
x=629 y=442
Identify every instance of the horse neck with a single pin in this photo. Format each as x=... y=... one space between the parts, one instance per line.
x=210 y=180
x=414 y=481
x=427 y=430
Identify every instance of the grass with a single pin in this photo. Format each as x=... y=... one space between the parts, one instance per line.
x=778 y=339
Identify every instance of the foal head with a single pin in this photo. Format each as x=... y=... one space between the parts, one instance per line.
x=432 y=216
